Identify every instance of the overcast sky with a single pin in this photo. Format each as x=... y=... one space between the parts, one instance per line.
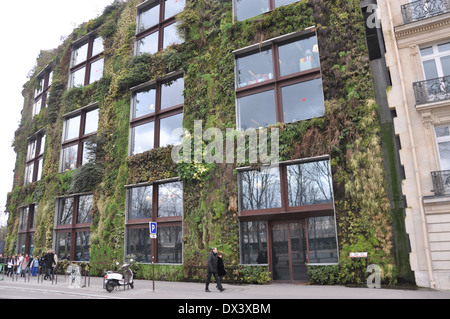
x=26 y=27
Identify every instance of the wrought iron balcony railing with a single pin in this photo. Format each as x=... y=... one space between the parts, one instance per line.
x=441 y=182
x=423 y=9
x=433 y=90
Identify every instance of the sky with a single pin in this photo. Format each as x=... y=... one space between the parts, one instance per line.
x=26 y=28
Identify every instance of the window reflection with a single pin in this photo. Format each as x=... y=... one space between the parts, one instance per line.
x=96 y=71
x=82 y=246
x=91 y=124
x=173 y=7
x=245 y=9
x=143 y=138
x=257 y=110
x=300 y=55
x=149 y=17
x=140 y=202
x=65 y=211
x=145 y=102
x=254 y=68
x=148 y=44
x=69 y=158
x=139 y=244
x=72 y=128
x=322 y=242
x=171 y=36
x=309 y=183
x=170 y=245
x=63 y=243
x=170 y=199
x=168 y=127
x=84 y=209
x=260 y=190
x=172 y=93
x=254 y=242
x=303 y=101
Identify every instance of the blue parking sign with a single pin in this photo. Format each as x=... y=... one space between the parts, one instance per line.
x=153 y=229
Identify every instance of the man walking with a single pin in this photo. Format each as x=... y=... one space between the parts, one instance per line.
x=212 y=270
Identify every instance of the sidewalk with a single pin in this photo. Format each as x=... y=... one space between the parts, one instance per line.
x=143 y=289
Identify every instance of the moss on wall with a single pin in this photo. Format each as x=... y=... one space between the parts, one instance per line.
x=349 y=132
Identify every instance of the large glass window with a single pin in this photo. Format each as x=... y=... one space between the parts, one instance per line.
x=77 y=146
x=73 y=221
x=157 y=111
x=436 y=60
x=42 y=88
x=35 y=158
x=87 y=62
x=279 y=83
x=443 y=145
x=161 y=203
x=26 y=229
x=245 y=9
x=285 y=187
x=157 y=25
x=260 y=189
x=254 y=242
x=322 y=242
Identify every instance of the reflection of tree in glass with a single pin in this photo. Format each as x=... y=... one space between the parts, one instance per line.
x=309 y=183
x=170 y=199
x=141 y=203
x=66 y=214
x=260 y=190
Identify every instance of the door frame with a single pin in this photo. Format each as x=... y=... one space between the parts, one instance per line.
x=270 y=224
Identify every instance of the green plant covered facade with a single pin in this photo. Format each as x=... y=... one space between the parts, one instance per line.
x=348 y=132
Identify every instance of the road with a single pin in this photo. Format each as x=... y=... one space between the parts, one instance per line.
x=195 y=291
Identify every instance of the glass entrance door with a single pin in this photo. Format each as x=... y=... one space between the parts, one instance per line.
x=289 y=251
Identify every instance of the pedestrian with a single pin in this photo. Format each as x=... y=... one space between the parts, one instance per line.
x=10 y=266
x=34 y=266
x=212 y=270
x=49 y=260
x=22 y=266
x=220 y=266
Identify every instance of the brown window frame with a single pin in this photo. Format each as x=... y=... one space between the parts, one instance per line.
x=78 y=140
x=36 y=157
x=41 y=97
x=142 y=223
x=90 y=59
x=73 y=228
x=278 y=82
x=286 y=211
x=159 y=27
x=158 y=114
x=271 y=8
x=28 y=229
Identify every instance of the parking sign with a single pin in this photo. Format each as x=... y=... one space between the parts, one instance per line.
x=153 y=229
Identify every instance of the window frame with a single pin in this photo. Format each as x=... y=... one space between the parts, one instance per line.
x=158 y=114
x=277 y=82
x=36 y=158
x=308 y=210
x=435 y=56
x=41 y=96
x=80 y=139
x=73 y=228
x=26 y=228
x=143 y=223
x=87 y=63
x=271 y=7
x=158 y=27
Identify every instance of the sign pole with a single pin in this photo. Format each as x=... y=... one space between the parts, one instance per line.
x=153 y=233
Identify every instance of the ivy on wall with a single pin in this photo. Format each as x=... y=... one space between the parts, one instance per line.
x=349 y=132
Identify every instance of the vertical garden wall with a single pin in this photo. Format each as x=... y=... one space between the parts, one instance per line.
x=349 y=132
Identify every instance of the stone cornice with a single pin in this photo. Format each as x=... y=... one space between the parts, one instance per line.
x=422 y=27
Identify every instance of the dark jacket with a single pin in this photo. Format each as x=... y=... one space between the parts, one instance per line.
x=212 y=262
x=220 y=267
x=49 y=258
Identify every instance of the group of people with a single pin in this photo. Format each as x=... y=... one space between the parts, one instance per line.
x=29 y=264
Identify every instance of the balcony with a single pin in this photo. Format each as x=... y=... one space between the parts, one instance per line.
x=441 y=183
x=423 y=9
x=433 y=90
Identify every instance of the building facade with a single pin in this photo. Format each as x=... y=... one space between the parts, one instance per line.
x=417 y=41
x=108 y=110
